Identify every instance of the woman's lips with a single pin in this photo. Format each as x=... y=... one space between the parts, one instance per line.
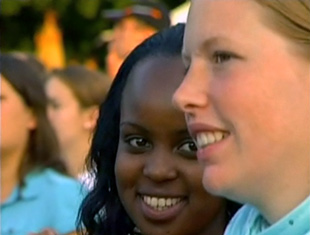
x=205 y=134
x=209 y=152
x=204 y=139
x=161 y=208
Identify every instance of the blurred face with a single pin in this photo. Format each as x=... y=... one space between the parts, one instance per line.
x=16 y=120
x=246 y=99
x=65 y=113
x=128 y=33
x=157 y=173
x=113 y=60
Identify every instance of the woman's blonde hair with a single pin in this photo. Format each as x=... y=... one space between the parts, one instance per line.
x=291 y=18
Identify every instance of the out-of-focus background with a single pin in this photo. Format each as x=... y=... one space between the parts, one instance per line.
x=64 y=32
x=58 y=59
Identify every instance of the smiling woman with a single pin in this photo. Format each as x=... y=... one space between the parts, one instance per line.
x=248 y=78
x=148 y=179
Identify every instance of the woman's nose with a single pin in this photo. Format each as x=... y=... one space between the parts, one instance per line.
x=192 y=92
x=160 y=166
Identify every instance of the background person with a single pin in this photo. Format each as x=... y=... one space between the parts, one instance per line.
x=75 y=94
x=36 y=191
x=147 y=175
x=248 y=80
x=133 y=24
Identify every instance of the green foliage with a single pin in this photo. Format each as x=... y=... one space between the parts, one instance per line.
x=41 y=5
x=61 y=6
x=9 y=7
x=88 y=8
x=80 y=21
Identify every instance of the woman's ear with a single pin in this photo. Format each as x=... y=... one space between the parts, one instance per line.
x=90 y=117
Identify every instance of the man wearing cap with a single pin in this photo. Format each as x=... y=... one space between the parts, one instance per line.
x=133 y=24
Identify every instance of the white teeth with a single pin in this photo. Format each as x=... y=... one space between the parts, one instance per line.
x=202 y=140
x=218 y=135
x=205 y=139
x=211 y=138
x=160 y=203
x=168 y=202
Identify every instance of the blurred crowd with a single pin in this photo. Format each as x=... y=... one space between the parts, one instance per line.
x=49 y=109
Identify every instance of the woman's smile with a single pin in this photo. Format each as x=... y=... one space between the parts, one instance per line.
x=161 y=208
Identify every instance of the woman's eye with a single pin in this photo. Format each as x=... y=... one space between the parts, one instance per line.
x=188 y=148
x=138 y=142
x=220 y=57
x=53 y=104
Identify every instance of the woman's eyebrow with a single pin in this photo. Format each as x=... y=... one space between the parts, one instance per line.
x=129 y=124
x=205 y=45
x=214 y=41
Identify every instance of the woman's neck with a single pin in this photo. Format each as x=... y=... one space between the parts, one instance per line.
x=75 y=156
x=285 y=192
x=9 y=173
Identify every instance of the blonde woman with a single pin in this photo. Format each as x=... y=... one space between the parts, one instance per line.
x=246 y=98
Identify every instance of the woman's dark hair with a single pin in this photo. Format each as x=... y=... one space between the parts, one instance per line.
x=102 y=211
x=90 y=87
x=43 y=150
x=33 y=62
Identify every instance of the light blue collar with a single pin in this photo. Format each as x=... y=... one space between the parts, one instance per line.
x=296 y=222
x=28 y=192
x=249 y=221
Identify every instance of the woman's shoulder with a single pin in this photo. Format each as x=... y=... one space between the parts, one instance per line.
x=52 y=199
x=242 y=221
x=54 y=181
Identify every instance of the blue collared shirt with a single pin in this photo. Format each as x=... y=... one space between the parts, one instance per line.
x=48 y=200
x=248 y=221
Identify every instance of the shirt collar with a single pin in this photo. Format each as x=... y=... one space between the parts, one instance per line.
x=295 y=222
x=28 y=192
